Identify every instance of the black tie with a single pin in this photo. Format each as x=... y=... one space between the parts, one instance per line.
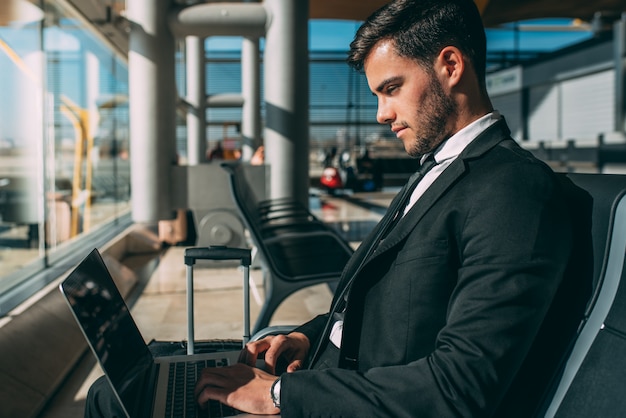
x=396 y=211
x=348 y=358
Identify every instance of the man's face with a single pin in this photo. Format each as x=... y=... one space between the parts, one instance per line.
x=410 y=99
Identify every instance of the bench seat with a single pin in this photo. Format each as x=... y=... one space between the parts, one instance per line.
x=296 y=249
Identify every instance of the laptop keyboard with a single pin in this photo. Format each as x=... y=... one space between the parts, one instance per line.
x=180 y=401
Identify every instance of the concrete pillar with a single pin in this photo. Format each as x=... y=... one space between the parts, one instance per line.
x=25 y=125
x=287 y=98
x=619 y=56
x=251 y=90
x=232 y=19
x=152 y=108
x=196 y=99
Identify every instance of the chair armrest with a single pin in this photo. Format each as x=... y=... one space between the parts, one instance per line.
x=273 y=330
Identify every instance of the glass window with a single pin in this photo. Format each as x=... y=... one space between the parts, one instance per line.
x=21 y=139
x=64 y=140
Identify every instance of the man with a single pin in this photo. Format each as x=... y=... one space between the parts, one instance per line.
x=457 y=306
x=443 y=317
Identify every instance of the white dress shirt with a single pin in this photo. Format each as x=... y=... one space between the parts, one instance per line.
x=449 y=150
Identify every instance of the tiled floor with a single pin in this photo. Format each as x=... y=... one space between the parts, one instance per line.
x=161 y=313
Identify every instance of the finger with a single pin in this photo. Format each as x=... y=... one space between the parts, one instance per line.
x=210 y=378
x=201 y=384
x=274 y=352
x=294 y=365
x=209 y=392
x=250 y=353
x=244 y=355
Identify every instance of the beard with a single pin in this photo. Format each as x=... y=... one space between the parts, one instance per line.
x=431 y=120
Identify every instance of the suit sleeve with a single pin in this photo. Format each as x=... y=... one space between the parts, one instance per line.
x=313 y=329
x=513 y=244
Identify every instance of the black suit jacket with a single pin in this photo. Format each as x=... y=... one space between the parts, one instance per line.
x=461 y=310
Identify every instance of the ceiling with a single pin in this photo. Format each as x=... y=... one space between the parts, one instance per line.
x=494 y=12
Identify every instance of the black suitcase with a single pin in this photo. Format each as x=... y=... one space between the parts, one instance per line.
x=191 y=346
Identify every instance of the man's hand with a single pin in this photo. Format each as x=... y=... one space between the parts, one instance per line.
x=242 y=387
x=245 y=387
x=292 y=348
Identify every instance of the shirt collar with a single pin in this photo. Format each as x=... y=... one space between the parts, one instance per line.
x=453 y=146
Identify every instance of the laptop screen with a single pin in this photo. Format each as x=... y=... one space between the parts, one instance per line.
x=106 y=322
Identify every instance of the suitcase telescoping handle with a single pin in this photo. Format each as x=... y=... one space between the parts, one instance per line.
x=217 y=252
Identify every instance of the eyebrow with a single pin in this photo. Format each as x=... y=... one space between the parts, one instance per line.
x=386 y=82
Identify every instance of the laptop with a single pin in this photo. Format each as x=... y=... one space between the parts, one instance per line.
x=145 y=385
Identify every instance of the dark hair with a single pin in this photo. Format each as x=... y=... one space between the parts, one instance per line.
x=421 y=28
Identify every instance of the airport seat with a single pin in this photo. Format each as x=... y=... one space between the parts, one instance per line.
x=296 y=249
x=592 y=380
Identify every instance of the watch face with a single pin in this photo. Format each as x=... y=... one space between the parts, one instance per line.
x=275 y=393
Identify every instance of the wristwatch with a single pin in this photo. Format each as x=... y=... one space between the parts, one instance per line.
x=275 y=393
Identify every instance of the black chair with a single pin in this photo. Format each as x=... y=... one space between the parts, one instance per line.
x=592 y=381
x=296 y=249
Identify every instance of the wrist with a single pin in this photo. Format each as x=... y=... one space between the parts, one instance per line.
x=275 y=393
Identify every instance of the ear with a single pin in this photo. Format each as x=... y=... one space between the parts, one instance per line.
x=450 y=66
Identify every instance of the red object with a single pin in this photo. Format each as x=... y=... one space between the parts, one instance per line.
x=331 y=179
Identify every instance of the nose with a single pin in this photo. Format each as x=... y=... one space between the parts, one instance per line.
x=384 y=114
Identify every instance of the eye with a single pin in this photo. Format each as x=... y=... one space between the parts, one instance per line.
x=390 y=89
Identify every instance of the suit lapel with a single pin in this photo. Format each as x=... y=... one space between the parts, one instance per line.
x=482 y=144
x=426 y=201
